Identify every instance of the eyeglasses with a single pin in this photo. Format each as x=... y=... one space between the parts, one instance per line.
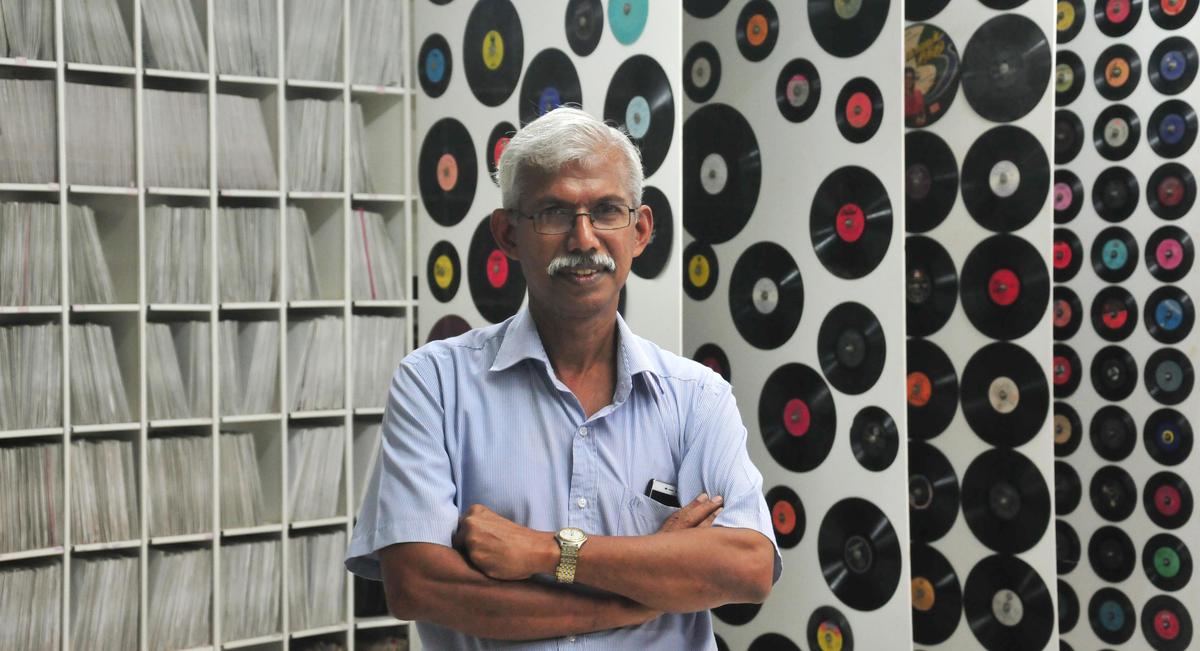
x=604 y=217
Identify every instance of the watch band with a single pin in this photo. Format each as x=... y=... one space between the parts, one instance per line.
x=565 y=572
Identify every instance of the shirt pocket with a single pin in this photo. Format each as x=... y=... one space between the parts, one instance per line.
x=640 y=515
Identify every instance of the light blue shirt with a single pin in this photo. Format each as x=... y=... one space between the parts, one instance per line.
x=482 y=418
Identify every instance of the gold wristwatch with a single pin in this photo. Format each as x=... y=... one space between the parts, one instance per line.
x=570 y=540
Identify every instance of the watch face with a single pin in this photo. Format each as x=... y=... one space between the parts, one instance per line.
x=571 y=535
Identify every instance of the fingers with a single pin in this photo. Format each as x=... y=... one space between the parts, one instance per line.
x=709 y=520
x=693 y=514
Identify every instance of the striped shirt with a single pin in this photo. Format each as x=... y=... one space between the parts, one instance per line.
x=482 y=418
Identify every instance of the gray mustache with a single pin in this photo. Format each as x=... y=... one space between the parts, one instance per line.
x=592 y=259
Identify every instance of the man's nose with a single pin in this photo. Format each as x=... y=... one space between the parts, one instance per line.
x=583 y=236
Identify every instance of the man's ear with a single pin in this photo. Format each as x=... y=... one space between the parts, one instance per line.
x=504 y=232
x=643 y=228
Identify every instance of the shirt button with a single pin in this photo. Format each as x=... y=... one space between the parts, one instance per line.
x=583 y=431
x=582 y=502
x=571 y=639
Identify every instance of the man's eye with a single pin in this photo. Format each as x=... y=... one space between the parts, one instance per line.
x=608 y=210
x=555 y=213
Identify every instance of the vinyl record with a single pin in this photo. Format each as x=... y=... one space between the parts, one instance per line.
x=1068 y=490
x=721 y=644
x=1068 y=429
x=1111 y=615
x=1068 y=136
x=446 y=171
x=1114 y=373
x=701 y=271
x=1168 y=437
x=493 y=51
x=931 y=389
x=1007 y=605
x=434 y=65
x=859 y=554
x=1006 y=502
x=766 y=295
x=1115 y=194
x=930 y=180
x=1114 y=254
x=874 y=439
x=550 y=82
x=1113 y=433
x=1169 y=376
x=1067 y=369
x=1111 y=554
x=859 y=110
x=850 y=222
x=704 y=8
x=918 y=10
x=1172 y=128
x=772 y=642
x=1172 y=14
x=1066 y=547
x=495 y=280
x=627 y=19
x=757 y=29
x=496 y=143
x=1114 y=313
x=1116 y=132
x=1005 y=396
x=1066 y=255
x=1005 y=287
x=1068 y=611
x=1067 y=197
x=1171 y=191
x=1068 y=313
x=1117 y=17
x=787 y=516
x=640 y=101
x=1069 y=19
x=931 y=285
x=1003 y=5
x=1170 y=314
x=1169 y=254
x=936 y=596
x=851 y=348
x=736 y=614
x=1112 y=493
x=1167 y=562
x=1006 y=67
x=828 y=629
x=444 y=271
x=1069 y=77
x=1005 y=179
x=798 y=90
x=584 y=25
x=446 y=327
x=796 y=417
x=1172 y=65
x=713 y=357
x=1117 y=72
x=931 y=69
x=701 y=72
x=1167 y=500
x=933 y=495
x=846 y=28
x=1166 y=623
x=722 y=172
x=657 y=253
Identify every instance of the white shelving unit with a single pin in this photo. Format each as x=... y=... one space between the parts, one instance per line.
x=388 y=144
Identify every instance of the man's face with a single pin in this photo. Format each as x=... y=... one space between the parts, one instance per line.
x=578 y=187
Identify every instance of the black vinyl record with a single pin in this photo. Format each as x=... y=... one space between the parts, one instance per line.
x=796 y=417
x=1168 y=437
x=701 y=72
x=1114 y=313
x=1167 y=562
x=859 y=110
x=1172 y=65
x=930 y=180
x=434 y=65
x=1116 y=132
x=1067 y=197
x=1006 y=501
x=828 y=628
x=447 y=171
x=1067 y=369
x=657 y=253
x=851 y=348
x=766 y=295
x=704 y=8
x=446 y=327
x=772 y=642
x=1005 y=287
x=550 y=82
x=713 y=357
x=918 y=10
x=1167 y=500
x=931 y=389
x=1169 y=376
x=1007 y=604
x=1170 y=314
x=1068 y=313
x=1068 y=489
x=1111 y=616
x=931 y=285
x=1114 y=254
x=1113 y=433
x=1111 y=554
x=496 y=282
x=584 y=25
x=722 y=171
x=1117 y=72
x=1115 y=194
x=736 y=614
x=1006 y=67
x=757 y=29
x=1068 y=136
x=1068 y=429
x=1069 y=19
x=493 y=51
x=1069 y=78
x=1117 y=17
x=1068 y=610
x=701 y=271
x=1173 y=14
x=1171 y=191
x=798 y=90
x=931 y=71
x=1172 y=128
x=1005 y=178
x=1067 y=548
x=933 y=494
x=1114 y=373
x=496 y=143
x=850 y=222
x=1112 y=493
x=1169 y=254
x=443 y=271
x=936 y=596
x=859 y=554
x=1166 y=624
x=787 y=516
x=640 y=101
x=1005 y=396
x=874 y=439
x=846 y=29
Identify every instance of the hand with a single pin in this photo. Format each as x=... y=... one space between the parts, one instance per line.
x=698 y=514
x=501 y=548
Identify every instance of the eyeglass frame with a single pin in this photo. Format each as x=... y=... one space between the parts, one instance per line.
x=533 y=217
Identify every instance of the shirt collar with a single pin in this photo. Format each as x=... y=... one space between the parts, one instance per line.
x=521 y=341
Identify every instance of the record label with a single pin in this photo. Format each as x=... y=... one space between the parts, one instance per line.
x=931 y=69
x=627 y=19
x=796 y=417
x=447 y=172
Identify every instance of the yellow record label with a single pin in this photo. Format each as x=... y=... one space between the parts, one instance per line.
x=443 y=271
x=698 y=270
x=493 y=49
x=1066 y=16
x=829 y=637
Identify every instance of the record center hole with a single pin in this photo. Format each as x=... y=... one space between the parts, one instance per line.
x=851 y=348
x=1004 y=500
x=858 y=554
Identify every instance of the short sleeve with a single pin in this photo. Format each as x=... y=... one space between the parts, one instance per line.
x=411 y=494
x=716 y=461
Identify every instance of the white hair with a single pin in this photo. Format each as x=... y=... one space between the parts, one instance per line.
x=559 y=138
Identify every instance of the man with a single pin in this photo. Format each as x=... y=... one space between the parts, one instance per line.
x=510 y=501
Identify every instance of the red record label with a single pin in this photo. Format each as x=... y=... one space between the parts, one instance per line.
x=712 y=363
x=1173 y=7
x=920 y=389
x=1117 y=10
x=497 y=269
x=1167 y=500
x=796 y=417
x=1062 y=313
x=1062 y=255
x=1114 y=319
x=1004 y=287
x=851 y=222
x=783 y=515
x=1170 y=191
x=1062 y=370
x=447 y=172
x=498 y=150
x=1166 y=624
x=859 y=110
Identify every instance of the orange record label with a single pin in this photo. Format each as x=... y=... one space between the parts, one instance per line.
x=920 y=390
x=1062 y=429
x=447 y=172
x=756 y=29
x=1116 y=73
x=922 y=594
x=784 y=517
x=1173 y=7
